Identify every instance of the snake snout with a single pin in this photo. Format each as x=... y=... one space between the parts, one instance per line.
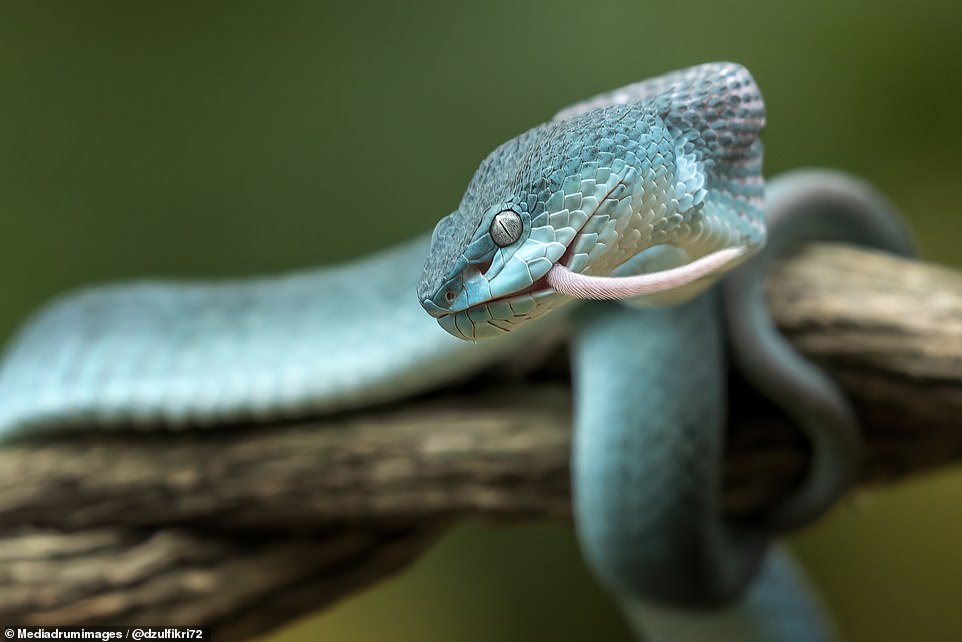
x=432 y=309
x=447 y=298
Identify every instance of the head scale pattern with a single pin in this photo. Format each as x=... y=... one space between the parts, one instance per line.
x=673 y=160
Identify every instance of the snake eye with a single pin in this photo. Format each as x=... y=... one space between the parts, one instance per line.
x=506 y=228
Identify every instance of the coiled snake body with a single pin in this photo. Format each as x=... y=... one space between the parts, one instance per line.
x=644 y=195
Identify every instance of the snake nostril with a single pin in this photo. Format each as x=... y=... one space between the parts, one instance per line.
x=450 y=296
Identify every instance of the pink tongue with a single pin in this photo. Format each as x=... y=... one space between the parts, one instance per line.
x=582 y=286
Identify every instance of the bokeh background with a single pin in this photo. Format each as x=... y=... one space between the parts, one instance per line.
x=207 y=139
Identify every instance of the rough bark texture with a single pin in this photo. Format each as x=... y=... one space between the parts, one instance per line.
x=244 y=529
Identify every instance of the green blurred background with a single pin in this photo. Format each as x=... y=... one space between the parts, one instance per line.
x=188 y=139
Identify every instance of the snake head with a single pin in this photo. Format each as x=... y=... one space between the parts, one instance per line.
x=487 y=269
x=497 y=279
x=672 y=163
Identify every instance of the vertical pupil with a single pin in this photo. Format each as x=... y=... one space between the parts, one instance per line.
x=506 y=228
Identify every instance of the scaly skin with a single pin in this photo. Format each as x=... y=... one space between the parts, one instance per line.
x=635 y=195
x=671 y=161
x=635 y=186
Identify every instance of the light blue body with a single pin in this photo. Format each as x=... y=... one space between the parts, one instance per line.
x=651 y=176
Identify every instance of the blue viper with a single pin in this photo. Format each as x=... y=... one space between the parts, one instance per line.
x=645 y=195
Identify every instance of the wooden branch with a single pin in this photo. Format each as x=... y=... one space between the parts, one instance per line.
x=244 y=529
x=240 y=586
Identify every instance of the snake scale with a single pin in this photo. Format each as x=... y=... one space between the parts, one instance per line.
x=632 y=203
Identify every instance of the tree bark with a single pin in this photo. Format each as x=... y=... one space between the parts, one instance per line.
x=244 y=529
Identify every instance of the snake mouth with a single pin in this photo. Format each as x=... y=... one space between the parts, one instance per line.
x=500 y=315
x=538 y=287
x=518 y=303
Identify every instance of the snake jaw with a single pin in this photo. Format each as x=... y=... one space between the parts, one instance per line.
x=497 y=315
x=503 y=315
x=470 y=306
